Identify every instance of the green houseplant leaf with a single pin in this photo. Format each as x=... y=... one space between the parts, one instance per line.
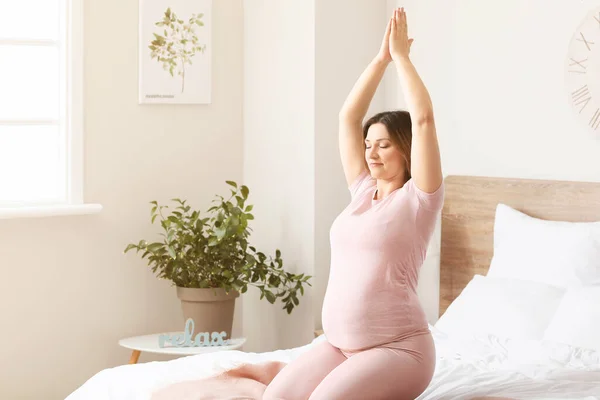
x=212 y=250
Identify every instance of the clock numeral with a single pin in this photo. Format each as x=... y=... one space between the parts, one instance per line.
x=595 y=121
x=584 y=40
x=581 y=96
x=579 y=67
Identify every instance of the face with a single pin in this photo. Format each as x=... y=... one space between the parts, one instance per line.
x=384 y=158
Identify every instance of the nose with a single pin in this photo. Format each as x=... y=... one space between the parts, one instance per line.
x=373 y=153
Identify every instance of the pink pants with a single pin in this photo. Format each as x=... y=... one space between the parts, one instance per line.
x=398 y=371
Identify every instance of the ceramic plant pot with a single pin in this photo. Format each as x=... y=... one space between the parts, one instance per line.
x=210 y=309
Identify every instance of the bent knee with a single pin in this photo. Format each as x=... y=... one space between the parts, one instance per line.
x=273 y=394
x=284 y=391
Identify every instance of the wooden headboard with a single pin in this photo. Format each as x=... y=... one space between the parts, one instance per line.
x=468 y=219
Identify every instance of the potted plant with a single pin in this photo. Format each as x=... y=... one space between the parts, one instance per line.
x=210 y=261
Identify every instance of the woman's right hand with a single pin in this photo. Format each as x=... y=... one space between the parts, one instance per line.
x=384 y=52
x=356 y=106
x=398 y=40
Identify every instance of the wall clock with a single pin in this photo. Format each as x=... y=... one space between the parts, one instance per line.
x=582 y=71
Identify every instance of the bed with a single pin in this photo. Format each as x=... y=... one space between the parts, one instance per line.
x=519 y=301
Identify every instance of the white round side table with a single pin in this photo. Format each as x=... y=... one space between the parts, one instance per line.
x=150 y=344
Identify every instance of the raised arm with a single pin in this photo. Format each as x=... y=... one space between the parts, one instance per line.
x=356 y=106
x=426 y=168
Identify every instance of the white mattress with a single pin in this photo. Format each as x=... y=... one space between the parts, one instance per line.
x=466 y=367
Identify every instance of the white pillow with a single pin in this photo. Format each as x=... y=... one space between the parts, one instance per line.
x=577 y=319
x=507 y=308
x=558 y=253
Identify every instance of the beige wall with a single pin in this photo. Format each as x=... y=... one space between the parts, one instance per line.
x=68 y=294
x=495 y=70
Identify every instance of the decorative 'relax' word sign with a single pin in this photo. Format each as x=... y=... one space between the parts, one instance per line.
x=203 y=339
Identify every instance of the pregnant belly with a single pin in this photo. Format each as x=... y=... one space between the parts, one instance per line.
x=356 y=318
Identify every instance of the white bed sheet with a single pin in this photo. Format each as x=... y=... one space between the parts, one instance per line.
x=466 y=368
x=485 y=365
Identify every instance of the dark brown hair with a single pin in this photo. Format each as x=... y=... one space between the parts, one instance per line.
x=399 y=127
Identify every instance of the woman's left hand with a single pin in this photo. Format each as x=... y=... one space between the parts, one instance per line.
x=399 y=41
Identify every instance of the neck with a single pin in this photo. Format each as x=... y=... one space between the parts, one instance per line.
x=385 y=187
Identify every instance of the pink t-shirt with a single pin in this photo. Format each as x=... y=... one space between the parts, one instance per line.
x=377 y=249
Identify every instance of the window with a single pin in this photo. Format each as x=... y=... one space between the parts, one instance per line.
x=41 y=113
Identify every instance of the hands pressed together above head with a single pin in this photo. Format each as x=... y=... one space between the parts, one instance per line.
x=396 y=43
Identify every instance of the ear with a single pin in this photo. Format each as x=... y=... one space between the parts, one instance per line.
x=410 y=42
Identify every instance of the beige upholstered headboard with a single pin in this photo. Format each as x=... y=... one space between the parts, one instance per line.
x=468 y=219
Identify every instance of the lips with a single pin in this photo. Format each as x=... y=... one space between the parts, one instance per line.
x=375 y=164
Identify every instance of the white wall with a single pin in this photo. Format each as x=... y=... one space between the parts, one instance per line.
x=348 y=36
x=495 y=73
x=279 y=158
x=301 y=60
x=68 y=293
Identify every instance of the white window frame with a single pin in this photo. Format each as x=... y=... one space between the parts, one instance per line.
x=71 y=55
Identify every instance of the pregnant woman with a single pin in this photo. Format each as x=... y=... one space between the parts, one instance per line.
x=378 y=343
